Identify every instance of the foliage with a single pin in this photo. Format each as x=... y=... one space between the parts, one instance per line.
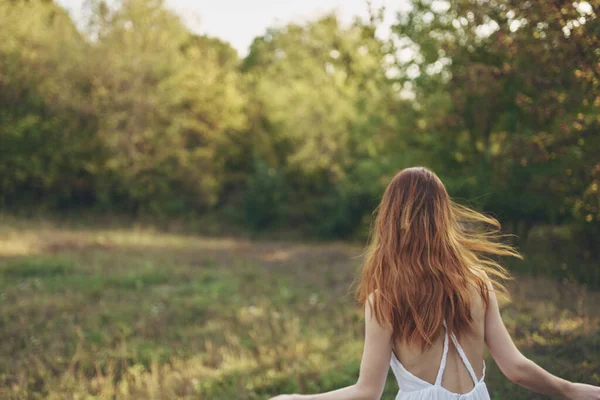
x=49 y=144
x=323 y=108
x=265 y=191
x=168 y=99
x=517 y=82
x=135 y=118
x=137 y=115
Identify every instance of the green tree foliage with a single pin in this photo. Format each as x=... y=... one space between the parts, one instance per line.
x=323 y=114
x=138 y=114
x=49 y=148
x=508 y=100
x=167 y=99
x=136 y=117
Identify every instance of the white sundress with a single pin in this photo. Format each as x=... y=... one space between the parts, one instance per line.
x=414 y=388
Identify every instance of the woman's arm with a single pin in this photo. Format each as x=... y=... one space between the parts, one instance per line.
x=374 y=366
x=522 y=371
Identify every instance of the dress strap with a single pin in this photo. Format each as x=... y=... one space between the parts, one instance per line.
x=440 y=375
x=464 y=358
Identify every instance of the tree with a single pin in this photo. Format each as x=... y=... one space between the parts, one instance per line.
x=323 y=113
x=167 y=99
x=518 y=87
x=48 y=147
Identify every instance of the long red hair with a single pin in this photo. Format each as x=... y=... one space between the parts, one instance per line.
x=426 y=255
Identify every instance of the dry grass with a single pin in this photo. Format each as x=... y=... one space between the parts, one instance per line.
x=137 y=313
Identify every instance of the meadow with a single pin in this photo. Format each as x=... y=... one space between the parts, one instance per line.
x=133 y=312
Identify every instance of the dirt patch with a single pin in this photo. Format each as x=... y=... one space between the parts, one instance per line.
x=68 y=245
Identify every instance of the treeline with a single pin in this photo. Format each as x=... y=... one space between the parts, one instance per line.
x=136 y=114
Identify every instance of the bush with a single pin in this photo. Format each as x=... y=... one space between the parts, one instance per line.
x=264 y=196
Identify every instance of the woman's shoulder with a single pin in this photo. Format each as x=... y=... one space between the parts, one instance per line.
x=480 y=273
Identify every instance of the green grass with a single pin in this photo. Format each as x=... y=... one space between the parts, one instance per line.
x=140 y=314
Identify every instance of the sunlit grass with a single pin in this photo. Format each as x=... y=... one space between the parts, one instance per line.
x=117 y=313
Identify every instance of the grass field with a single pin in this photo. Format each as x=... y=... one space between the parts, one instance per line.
x=136 y=313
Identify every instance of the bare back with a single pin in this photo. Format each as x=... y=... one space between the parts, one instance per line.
x=456 y=378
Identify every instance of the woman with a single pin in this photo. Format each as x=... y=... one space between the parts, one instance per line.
x=427 y=287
